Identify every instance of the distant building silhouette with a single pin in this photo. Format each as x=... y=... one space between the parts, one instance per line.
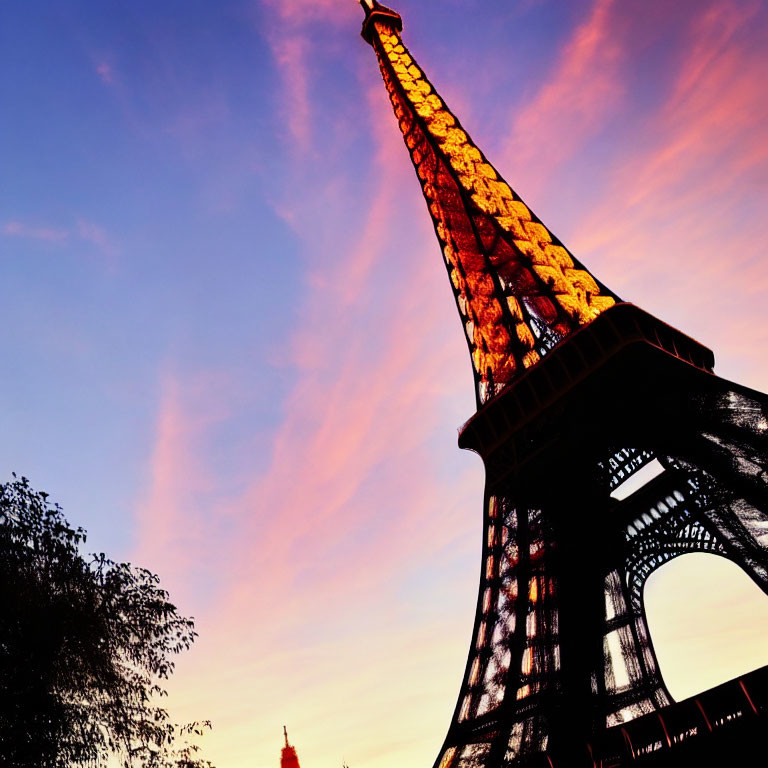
x=288 y=758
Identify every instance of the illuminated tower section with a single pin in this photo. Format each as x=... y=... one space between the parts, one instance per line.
x=288 y=757
x=610 y=447
x=517 y=288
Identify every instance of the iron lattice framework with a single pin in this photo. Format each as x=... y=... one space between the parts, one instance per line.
x=610 y=448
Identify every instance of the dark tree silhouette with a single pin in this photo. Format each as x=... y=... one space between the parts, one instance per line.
x=85 y=645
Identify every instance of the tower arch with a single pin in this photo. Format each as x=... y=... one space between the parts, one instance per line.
x=708 y=621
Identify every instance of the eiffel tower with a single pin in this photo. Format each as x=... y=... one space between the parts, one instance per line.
x=610 y=447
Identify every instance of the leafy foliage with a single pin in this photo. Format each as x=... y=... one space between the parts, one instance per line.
x=85 y=646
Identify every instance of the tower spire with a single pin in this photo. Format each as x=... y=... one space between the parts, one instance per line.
x=288 y=757
x=518 y=290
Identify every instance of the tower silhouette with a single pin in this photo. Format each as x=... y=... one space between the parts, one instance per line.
x=610 y=447
x=288 y=757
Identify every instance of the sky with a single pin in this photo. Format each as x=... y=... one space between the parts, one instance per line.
x=231 y=347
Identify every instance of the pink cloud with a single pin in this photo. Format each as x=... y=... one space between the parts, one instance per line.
x=84 y=232
x=701 y=151
x=303 y=11
x=290 y=55
x=101 y=240
x=353 y=492
x=171 y=533
x=710 y=114
x=16 y=228
x=105 y=72
x=294 y=33
x=368 y=387
x=160 y=515
x=711 y=36
x=350 y=498
x=583 y=88
x=714 y=114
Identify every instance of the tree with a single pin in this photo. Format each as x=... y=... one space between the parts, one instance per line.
x=85 y=645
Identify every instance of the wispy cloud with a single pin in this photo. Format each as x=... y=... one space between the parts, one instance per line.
x=101 y=240
x=353 y=491
x=290 y=55
x=95 y=237
x=584 y=87
x=15 y=228
x=294 y=33
x=171 y=532
x=105 y=72
x=654 y=225
x=698 y=152
x=301 y=11
x=325 y=459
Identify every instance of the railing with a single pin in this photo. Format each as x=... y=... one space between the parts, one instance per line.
x=713 y=728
